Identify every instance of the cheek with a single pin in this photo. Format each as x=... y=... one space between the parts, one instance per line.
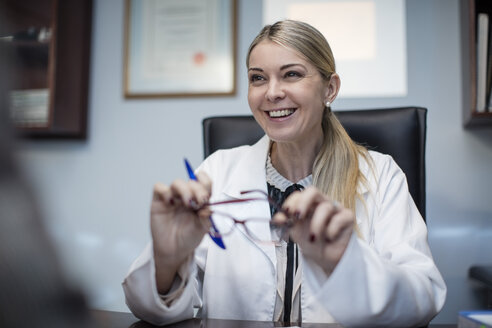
x=254 y=98
x=250 y=102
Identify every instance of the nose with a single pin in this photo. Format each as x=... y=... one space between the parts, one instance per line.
x=275 y=91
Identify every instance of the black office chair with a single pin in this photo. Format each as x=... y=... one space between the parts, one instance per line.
x=399 y=132
x=481 y=275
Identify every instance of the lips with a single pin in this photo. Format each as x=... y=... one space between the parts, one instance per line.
x=281 y=112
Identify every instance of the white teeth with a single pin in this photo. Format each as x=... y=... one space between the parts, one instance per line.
x=280 y=113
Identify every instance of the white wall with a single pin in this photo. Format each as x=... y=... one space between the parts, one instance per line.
x=96 y=193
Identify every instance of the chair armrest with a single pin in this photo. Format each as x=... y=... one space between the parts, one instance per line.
x=481 y=273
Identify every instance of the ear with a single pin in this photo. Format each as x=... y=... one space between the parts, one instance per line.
x=332 y=87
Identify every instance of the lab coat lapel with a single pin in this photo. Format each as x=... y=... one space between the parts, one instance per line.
x=250 y=174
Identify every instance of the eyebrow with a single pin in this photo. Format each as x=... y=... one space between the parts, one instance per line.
x=281 y=67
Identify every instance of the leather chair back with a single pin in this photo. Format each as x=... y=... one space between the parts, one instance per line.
x=399 y=132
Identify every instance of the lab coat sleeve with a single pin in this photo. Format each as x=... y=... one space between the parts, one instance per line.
x=391 y=281
x=140 y=288
x=143 y=299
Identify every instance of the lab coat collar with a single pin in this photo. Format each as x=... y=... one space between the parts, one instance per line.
x=250 y=171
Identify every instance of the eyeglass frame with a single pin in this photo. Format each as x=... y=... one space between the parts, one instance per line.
x=243 y=222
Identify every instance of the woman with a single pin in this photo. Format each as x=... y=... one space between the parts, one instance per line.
x=357 y=252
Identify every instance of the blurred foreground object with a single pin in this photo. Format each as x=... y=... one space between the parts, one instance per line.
x=34 y=290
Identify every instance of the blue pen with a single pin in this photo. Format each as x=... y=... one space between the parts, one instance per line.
x=217 y=240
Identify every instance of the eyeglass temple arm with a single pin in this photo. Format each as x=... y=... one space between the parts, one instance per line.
x=270 y=200
x=244 y=192
x=232 y=201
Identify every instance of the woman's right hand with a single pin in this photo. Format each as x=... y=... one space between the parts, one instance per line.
x=177 y=227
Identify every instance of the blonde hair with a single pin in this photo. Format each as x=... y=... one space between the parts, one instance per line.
x=336 y=169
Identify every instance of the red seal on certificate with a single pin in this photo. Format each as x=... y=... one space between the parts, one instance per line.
x=199 y=58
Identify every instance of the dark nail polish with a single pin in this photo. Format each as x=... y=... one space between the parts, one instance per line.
x=171 y=201
x=312 y=238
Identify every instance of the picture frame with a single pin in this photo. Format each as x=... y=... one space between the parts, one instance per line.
x=181 y=48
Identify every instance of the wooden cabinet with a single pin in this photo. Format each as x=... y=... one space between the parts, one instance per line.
x=469 y=12
x=48 y=44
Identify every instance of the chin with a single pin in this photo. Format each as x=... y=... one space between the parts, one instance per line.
x=281 y=137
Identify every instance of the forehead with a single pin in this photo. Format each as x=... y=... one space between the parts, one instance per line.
x=268 y=52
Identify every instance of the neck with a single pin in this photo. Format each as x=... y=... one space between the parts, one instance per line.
x=294 y=161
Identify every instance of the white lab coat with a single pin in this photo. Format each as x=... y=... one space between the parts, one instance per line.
x=386 y=277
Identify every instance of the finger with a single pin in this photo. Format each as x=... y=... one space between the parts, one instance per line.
x=280 y=218
x=204 y=218
x=205 y=180
x=321 y=219
x=301 y=204
x=340 y=223
x=205 y=213
x=289 y=205
x=199 y=194
x=183 y=191
x=162 y=192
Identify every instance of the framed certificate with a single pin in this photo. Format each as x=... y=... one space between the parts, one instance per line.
x=180 y=48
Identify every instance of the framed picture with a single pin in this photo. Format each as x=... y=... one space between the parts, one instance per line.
x=180 y=48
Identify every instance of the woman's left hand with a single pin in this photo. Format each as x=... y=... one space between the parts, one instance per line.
x=321 y=227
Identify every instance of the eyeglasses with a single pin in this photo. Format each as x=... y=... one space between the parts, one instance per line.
x=259 y=229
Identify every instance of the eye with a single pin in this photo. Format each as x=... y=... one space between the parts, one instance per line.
x=293 y=75
x=255 y=78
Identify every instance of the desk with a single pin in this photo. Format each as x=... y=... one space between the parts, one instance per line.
x=109 y=319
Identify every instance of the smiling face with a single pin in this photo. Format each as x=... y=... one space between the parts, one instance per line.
x=286 y=94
